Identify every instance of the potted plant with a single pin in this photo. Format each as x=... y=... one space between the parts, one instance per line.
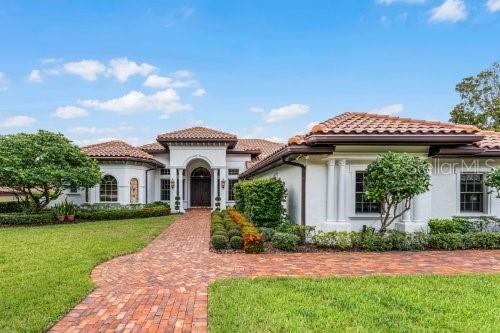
x=60 y=212
x=217 y=203
x=177 y=203
x=70 y=211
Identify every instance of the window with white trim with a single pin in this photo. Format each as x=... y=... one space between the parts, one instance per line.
x=165 y=172
x=233 y=172
x=471 y=193
x=363 y=205
x=165 y=189
x=108 y=190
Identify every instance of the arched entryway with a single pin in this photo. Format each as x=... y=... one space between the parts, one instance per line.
x=200 y=188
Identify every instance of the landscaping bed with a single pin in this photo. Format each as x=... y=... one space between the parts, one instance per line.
x=431 y=303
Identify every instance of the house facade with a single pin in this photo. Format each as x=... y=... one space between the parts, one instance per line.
x=322 y=170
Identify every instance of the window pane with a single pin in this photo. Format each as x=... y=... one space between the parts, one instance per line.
x=164 y=189
x=471 y=192
x=233 y=172
x=362 y=204
x=108 y=190
x=231 y=183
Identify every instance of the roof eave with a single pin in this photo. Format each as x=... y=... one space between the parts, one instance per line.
x=131 y=159
x=392 y=139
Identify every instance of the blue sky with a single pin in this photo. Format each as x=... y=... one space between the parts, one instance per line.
x=96 y=70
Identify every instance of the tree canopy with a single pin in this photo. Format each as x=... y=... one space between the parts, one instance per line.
x=393 y=179
x=40 y=166
x=493 y=181
x=480 y=100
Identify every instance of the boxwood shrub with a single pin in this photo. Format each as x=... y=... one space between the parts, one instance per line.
x=14 y=219
x=236 y=242
x=219 y=242
x=285 y=242
x=119 y=214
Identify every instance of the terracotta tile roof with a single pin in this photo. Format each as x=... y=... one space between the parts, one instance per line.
x=491 y=140
x=118 y=149
x=154 y=147
x=265 y=147
x=197 y=133
x=368 y=123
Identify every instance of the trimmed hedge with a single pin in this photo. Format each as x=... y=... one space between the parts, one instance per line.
x=464 y=225
x=285 y=242
x=10 y=207
x=219 y=242
x=14 y=219
x=261 y=200
x=236 y=242
x=120 y=214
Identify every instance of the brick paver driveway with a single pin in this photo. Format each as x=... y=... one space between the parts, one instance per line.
x=164 y=287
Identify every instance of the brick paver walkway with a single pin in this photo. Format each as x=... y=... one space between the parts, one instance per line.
x=164 y=287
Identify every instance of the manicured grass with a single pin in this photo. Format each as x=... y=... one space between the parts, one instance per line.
x=44 y=271
x=467 y=303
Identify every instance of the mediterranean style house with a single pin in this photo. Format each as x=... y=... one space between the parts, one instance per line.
x=323 y=170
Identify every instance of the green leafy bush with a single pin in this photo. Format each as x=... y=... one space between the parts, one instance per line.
x=10 y=207
x=267 y=233
x=451 y=241
x=481 y=240
x=340 y=240
x=219 y=242
x=304 y=232
x=236 y=242
x=285 y=242
x=447 y=226
x=14 y=219
x=261 y=200
x=233 y=232
x=118 y=214
x=493 y=181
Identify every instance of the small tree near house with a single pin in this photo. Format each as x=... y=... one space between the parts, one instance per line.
x=493 y=181
x=393 y=179
x=40 y=166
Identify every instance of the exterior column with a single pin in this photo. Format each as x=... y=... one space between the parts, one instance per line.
x=173 y=191
x=404 y=222
x=214 y=195
x=181 y=190
x=223 y=180
x=341 y=194
x=330 y=191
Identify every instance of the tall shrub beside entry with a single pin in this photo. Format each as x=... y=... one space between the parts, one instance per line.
x=262 y=200
x=252 y=239
x=493 y=181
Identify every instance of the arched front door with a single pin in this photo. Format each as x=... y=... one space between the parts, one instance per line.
x=200 y=187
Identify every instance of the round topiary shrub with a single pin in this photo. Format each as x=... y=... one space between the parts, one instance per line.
x=236 y=242
x=285 y=242
x=219 y=242
x=233 y=232
x=219 y=233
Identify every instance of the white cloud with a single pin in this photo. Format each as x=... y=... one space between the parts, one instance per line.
x=166 y=101
x=17 y=121
x=257 y=109
x=48 y=61
x=182 y=74
x=493 y=5
x=3 y=81
x=35 y=76
x=70 y=112
x=286 y=112
x=391 y=109
x=86 y=69
x=276 y=139
x=156 y=81
x=311 y=125
x=122 y=69
x=449 y=11
x=199 y=92
x=409 y=2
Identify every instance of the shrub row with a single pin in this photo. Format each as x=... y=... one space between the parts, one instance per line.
x=252 y=239
x=10 y=207
x=225 y=233
x=399 y=241
x=463 y=225
x=14 y=219
x=119 y=214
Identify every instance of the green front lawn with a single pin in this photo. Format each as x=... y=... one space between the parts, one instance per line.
x=44 y=271
x=467 y=303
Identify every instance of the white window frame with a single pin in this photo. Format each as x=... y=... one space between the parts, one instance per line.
x=486 y=196
x=351 y=195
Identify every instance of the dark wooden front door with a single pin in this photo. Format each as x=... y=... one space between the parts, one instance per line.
x=200 y=187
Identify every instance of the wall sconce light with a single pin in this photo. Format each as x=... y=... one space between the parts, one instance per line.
x=172 y=183
x=223 y=183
